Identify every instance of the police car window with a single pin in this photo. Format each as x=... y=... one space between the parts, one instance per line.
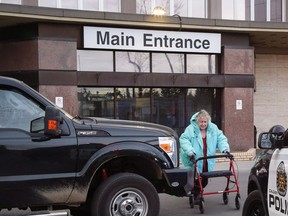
x=17 y=110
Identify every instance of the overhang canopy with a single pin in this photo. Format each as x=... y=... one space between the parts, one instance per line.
x=262 y=35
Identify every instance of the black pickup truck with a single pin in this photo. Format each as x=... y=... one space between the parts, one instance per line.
x=91 y=166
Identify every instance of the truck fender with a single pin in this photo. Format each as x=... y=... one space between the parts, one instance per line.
x=121 y=149
x=129 y=148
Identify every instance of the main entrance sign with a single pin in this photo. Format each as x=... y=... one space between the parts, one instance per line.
x=148 y=40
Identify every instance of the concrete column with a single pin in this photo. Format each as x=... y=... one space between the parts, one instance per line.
x=18 y=55
x=57 y=71
x=237 y=107
x=68 y=93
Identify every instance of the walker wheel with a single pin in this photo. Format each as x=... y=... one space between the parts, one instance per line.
x=237 y=202
x=191 y=201
x=201 y=206
x=225 y=198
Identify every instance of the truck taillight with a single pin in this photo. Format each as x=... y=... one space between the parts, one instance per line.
x=169 y=145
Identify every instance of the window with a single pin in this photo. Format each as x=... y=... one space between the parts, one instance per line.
x=11 y=1
x=94 y=5
x=172 y=107
x=48 y=3
x=91 y=5
x=165 y=4
x=96 y=102
x=112 y=5
x=202 y=64
x=200 y=98
x=181 y=8
x=198 y=8
x=138 y=62
x=143 y=7
x=69 y=4
x=133 y=104
x=168 y=106
x=132 y=62
x=17 y=110
x=95 y=60
x=167 y=63
x=276 y=10
x=260 y=10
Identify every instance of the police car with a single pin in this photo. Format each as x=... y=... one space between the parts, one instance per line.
x=267 y=183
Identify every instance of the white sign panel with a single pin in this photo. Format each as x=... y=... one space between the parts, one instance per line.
x=238 y=104
x=151 y=40
x=59 y=101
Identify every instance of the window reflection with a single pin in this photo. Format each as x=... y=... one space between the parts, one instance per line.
x=107 y=5
x=125 y=61
x=201 y=64
x=168 y=107
x=70 y=4
x=132 y=62
x=91 y=5
x=237 y=10
x=260 y=10
x=95 y=60
x=172 y=107
x=143 y=7
x=97 y=102
x=167 y=63
x=11 y=1
x=133 y=104
x=48 y=3
x=201 y=98
x=181 y=7
x=112 y=5
x=165 y=4
x=198 y=9
x=276 y=10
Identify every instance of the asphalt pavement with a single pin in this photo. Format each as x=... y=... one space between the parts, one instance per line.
x=214 y=205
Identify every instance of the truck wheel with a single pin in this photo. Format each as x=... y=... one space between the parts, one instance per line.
x=125 y=194
x=253 y=205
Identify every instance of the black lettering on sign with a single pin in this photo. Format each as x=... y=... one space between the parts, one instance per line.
x=169 y=42
x=115 y=40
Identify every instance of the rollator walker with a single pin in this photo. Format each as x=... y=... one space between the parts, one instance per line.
x=229 y=174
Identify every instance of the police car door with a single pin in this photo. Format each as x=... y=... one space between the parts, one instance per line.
x=277 y=196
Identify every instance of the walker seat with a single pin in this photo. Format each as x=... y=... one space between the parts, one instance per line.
x=218 y=173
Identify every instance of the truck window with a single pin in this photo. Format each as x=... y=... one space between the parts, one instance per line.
x=17 y=109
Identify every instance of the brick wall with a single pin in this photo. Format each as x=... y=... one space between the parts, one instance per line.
x=270 y=97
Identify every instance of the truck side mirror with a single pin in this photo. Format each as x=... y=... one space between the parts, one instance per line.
x=270 y=140
x=266 y=140
x=52 y=122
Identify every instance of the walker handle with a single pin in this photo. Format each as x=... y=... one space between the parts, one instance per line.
x=227 y=155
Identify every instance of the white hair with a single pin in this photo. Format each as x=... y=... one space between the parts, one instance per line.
x=203 y=113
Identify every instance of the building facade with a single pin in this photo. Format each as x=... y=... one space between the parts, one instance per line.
x=90 y=58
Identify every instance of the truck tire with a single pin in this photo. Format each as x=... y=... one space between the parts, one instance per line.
x=125 y=194
x=253 y=205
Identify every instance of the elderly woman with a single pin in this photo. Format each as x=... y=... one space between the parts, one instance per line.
x=200 y=139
